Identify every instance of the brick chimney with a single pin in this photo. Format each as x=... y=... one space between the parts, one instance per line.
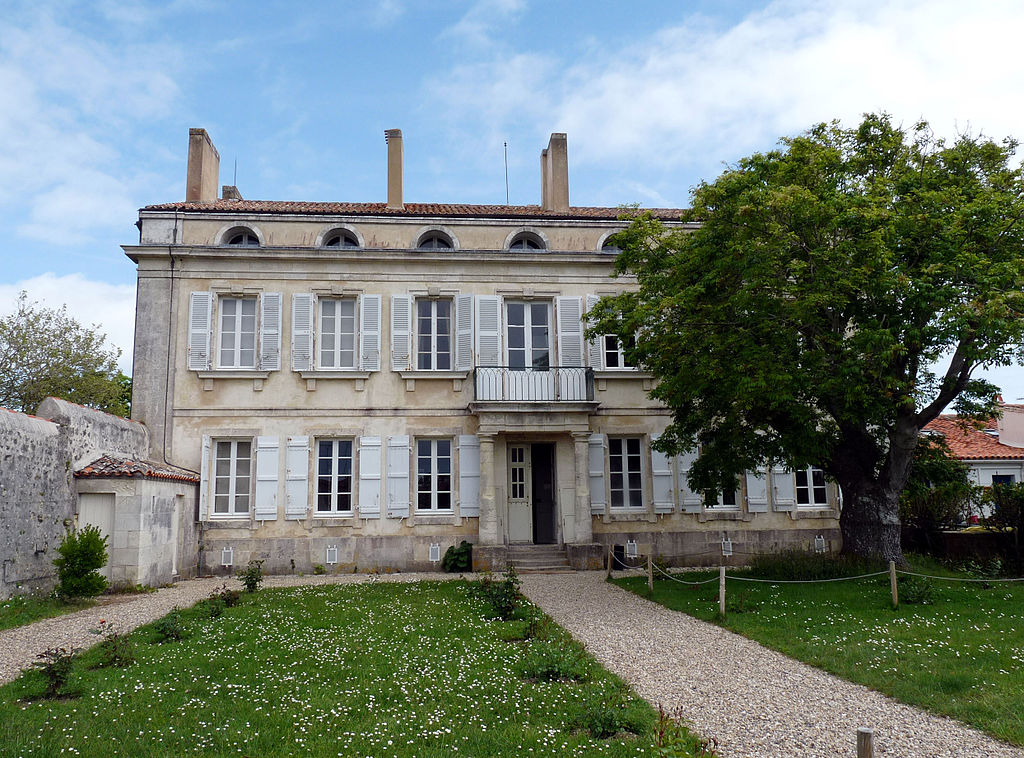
x=394 y=139
x=203 y=177
x=554 y=174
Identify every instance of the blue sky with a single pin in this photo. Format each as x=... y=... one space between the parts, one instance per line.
x=96 y=99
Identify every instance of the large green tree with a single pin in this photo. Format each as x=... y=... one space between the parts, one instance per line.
x=831 y=298
x=45 y=352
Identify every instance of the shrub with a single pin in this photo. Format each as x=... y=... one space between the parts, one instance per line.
x=251 y=576
x=798 y=564
x=738 y=602
x=458 y=559
x=215 y=606
x=503 y=596
x=318 y=569
x=547 y=661
x=672 y=741
x=230 y=598
x=606 y=718
x=916 y=590
x=169 y=628
x=81 y=553
x=56 y=664
x=117 y=648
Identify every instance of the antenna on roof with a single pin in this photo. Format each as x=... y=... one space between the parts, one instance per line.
x=234 y=178
x=506 y=173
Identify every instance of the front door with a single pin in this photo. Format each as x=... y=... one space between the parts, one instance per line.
x=520 y=495
x=531 y=493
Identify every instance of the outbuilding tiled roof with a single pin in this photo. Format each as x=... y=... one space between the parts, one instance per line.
x=107 y=466
x=973 y=443
x=451 y=210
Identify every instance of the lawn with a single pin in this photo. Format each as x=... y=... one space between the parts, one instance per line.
x=24 y=609
x=373 y=669
x=961 y=656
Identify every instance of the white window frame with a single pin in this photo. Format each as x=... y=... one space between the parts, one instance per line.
x=333 y=492
x=434 y=475
x=527 y=327
x=715 y=501
x=612 y=345
x=319 y=338
x=231 y=492
x=808 y=488
x=627 y=457
x=236 y=332
x=433 y=353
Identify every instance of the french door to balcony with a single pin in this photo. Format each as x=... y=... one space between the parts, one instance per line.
x=529 y=351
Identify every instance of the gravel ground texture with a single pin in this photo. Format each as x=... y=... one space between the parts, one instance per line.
x=20 y=646
x=754 y=701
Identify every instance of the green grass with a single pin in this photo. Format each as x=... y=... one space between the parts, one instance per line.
x=24 y=609
x=962 y=656
x=373 y=669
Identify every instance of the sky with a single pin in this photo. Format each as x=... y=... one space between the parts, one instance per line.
x=96 y=99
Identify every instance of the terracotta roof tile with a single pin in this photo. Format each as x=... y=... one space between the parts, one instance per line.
x=972 y=443
x=453 y=210
x=114 y=466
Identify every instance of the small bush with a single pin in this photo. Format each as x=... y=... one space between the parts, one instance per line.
x=117 y=648
x=978 y=568
x=230 y=598
x=214 y=606
x=672 y=741
x=169 y=628
x=738 y=602
x=81 y=553
x=56 y=663
x=547 y=661
x=916 y=590
x=251 y=576
x=458 y=559
x=503 y=596
x=797 y=564
x=318 y=569
x=604 y=719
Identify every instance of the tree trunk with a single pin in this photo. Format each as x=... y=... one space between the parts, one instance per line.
x=870 y=521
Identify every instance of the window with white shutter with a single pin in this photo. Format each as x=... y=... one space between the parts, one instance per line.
x=204 y=479
x=401 y=332
x=469 y=475
x=302 y=331
x=593 y=345
x=463 y=332
x=661 y=477
x=691 y=500
x=334 y=468
x=757 y=491
x=265 y=496
x=569 y=311
x=296 y=483
x=369 y=476
x=200 y=312
x=398 y=476
x=369 y=330
x=488 y=330
x=783 y=489
x=270 y=331
x=596 y=459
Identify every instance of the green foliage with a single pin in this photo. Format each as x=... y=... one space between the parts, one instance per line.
x=46 y=352
x=938 y=494
x=81 y=554
x=802 y=320
x=117 y=649
x=318 y=569
x=606 y=717
x=56 y=665
x=801 y=565
x=916 y=590
x=215 y=606
x=502 y=596
x=673 y=741
x=978 y=568
x=251 y=576
x=229 y=597
x=25 y=609
x=551 y=660
x=458 y=559
x=1006 y=504
x=169 y=628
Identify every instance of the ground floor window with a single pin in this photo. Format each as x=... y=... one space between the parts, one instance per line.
x=433 y=474
x=334 y=477
x=626 y=473
x=1002 y=479
x=811 y=491
x=232 y=467
x=720 y=500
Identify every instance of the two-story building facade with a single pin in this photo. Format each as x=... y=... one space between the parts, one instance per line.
x=362 y=385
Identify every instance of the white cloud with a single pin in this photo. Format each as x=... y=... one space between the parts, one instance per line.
x=109 y=306
x=479 y=23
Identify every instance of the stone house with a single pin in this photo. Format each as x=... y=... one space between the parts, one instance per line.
x=362 y=385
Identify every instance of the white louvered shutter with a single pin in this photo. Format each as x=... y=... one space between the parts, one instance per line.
x=783 y=489
x=369 y=332
x=369 y=477
x=463 y=332
x=398 y=476
x=757 y=491
x=570 y=331
x=204 y=479
x=488 y=330
x=691 y=501
x=594 y=354
x=296 y=478
x=200 y=313
x=596 y=457
x=302 y=332
x=265 y=504
x=401 y=332
x=469 y=475
x=661 y=475
x=270 y=331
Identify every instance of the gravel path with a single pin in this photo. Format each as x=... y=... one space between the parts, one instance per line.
x=19 y=646
x=754 y=701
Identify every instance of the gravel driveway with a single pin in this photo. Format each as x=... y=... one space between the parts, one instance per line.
x=756 y=702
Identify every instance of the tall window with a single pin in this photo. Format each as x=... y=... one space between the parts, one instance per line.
x=614 y=351
x=232 y=468
x=626 y=475
x=433 y=475
x=811 y=491
x=334 y=476
x=237 y=332
x=433 y=334
x=529 y=335
x=337 y=333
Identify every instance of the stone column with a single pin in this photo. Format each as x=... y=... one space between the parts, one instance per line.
x=488 y=503
x=583 y=522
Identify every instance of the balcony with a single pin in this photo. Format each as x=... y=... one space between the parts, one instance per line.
x=555 y=384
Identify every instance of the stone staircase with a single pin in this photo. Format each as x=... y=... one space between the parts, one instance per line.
x=539 y=559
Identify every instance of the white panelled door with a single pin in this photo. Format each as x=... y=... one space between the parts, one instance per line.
x=520 y=500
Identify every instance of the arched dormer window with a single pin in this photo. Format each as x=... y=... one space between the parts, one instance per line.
x=608 y=243
x=241 y=237
x=526 y=241
x=434 y=241
x=341 y=238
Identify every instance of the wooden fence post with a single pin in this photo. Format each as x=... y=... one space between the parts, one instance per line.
x=650 y=573
x=893 y=586
x=611 y=555
x=865 y=742
x=721 y=590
